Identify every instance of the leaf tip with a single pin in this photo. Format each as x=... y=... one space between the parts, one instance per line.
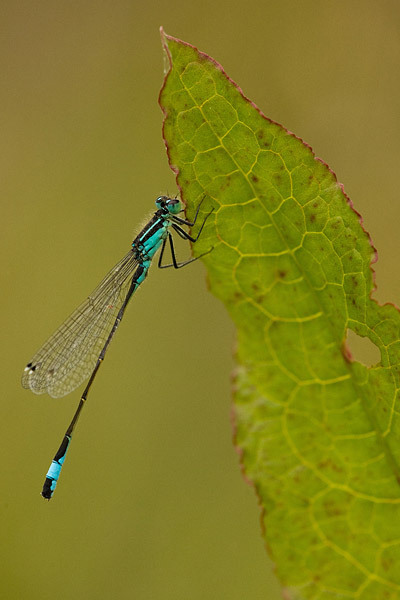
x=166 y=52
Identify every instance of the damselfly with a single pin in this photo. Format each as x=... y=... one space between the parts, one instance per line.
x=77 y=348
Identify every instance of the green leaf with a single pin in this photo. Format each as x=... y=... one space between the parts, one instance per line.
x=318 y=433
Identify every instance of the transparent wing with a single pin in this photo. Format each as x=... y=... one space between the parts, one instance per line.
x=70 y=354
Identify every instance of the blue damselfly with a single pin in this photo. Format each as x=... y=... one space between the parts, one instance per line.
x=77 y=348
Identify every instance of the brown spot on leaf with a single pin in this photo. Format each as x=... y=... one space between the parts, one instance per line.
x=329 y=464
x=227 y=183
x=333 y=509
x=387 y=563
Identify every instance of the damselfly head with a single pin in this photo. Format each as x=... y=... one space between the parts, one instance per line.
x=171 y=206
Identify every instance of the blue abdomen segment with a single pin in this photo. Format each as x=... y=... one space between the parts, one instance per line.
x=55 y=468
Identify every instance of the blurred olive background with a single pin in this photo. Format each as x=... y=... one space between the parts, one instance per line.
x=151 y=503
